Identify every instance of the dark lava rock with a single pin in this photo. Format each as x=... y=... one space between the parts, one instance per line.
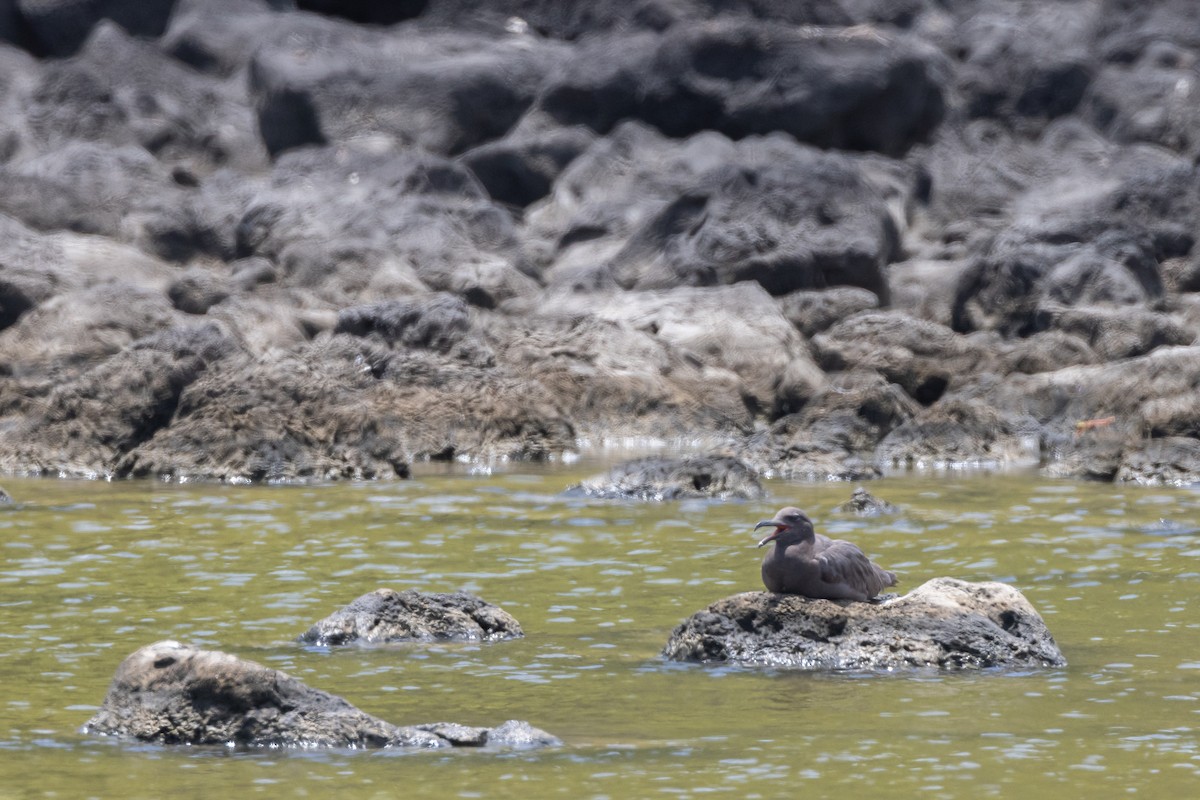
x=57 y=191
x=345 y=407
x=170 y=693
x=66 y=434
x=615 y=380
x=1048 y=351
x=1026 y=67
x=805 y=457
x=59 y=27
x=834 y=435
x=339 y=220
x=639 y=211
x=1088 y=416
x=1117 y=333
x=1171 y=461
x=945 y=623
x=958 y=433
x=197 y=290
x=815 y=311
x=689 y=362
x=849 y=89
x=125 y=91
x=659 y=478
x=864 y=504
x=385 y=615
x=220 y=36
x=438 y=322
x=441 y=91
x=521 y=168
x=576 y=19
x=922 y=357
x=514 y=734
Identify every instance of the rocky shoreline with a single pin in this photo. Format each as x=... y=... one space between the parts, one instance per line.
x=253 y=240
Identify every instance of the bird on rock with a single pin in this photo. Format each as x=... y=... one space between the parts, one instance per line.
x=802 y=561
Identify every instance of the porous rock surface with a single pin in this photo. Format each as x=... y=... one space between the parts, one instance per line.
x=386 y=615
x=172 y=694
x=944 y=623
x=302 y=240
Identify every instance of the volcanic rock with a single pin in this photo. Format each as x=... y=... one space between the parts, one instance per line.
x=944 y=623
x=864 y=504
x=386 y=615
x=662 y=478
x=173 y=694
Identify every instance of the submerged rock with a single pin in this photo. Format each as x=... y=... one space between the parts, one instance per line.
x=385 y=615
x=864 y=504
x=659 y=478
x=945 y=623
x=171 y=693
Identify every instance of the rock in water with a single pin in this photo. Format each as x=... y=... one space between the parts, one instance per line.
x=944 y=623
x=665 y=478
x=385 y=615
x=864 y=504
x=170 y=693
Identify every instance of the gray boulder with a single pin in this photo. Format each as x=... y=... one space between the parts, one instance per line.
x=338 y=224
x=220 y=36
x=59 y=27
x=834 y=434
x=171 y=693
x=1025 y=68
x=521 y=168
x=127 y=92
x=815 y=311
x=444 y=92
x=640 y=211
x=576 y=19
x=386 y=615
x=922 y=357
x=1088 y=417
x=944 y=623
x=848 y=89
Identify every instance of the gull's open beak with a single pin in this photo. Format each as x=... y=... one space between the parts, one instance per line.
x=771 y=536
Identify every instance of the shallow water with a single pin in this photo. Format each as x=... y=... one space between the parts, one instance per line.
x=91 y=571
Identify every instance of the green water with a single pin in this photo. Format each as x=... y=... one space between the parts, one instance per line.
x=91 y=571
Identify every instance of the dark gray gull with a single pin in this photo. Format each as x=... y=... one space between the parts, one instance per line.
x=802 y=561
